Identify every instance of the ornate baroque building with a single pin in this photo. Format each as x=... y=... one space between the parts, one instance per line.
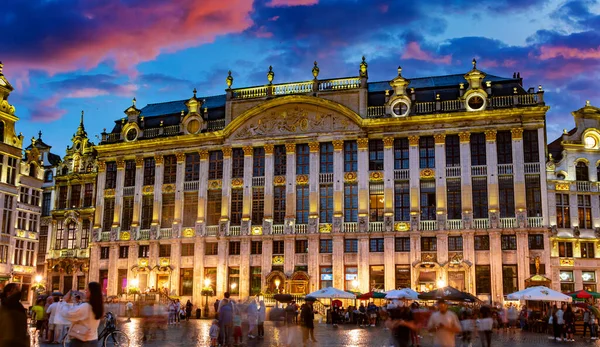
x=342 y=182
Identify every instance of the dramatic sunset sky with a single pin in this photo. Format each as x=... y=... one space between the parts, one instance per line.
x=64 y=56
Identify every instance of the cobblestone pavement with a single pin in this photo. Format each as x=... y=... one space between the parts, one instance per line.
x=195 y=333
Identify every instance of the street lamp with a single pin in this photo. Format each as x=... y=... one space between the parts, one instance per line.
x=206 y=291
x=355 y=284
x=441 y=283
x=277 y=283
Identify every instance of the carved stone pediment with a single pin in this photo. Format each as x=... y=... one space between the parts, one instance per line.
x=294 y=119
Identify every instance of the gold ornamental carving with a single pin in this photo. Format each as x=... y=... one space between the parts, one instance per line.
x=567 y=262
x=139 y=161
x=350 y=177
x=278 y=260
x=401 y=226
x=142 y=262
x=109 y=192
x=159 y=159
x=101 y=166
x=257 y=230
x=464 y=136
x=490 y=135
x=440 y=139
x=125 y=236
x=427 y=173
x=168 y=188
x=269 y=147
x=203 y=154
x=302 y=179
x=362 y=143
x=227 y=152
x=562 y=186
x=413 y=140
x=314 y=146
x=290 y=148
x=237 y=183
x=164 y=262
x=279 y=180
x=325 y=228
x=215 y=184
x=338 y=145
x=180 y=157
x=376 y=176
x=248 y=150
x=189 y=232
x=148 y=190
x=388 y=142
x=517 y=133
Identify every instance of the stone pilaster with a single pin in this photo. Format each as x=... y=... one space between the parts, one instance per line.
x=519 y=170
x=179 y=178
x=363 y=264
x=363 y=184
x=244 y=268
x=137 y=197
x=543 y=179
x=389 y=259
x=222 y=266
x=175 y=261
x=496 y=266
x=202 y=191
x=112 y=287
x=388 y=180
x=338 y=182
x=469 y=256
x=288 y=256
x=313 y=181
x=290 y=190
x=313 y=260
x=492 y=177
x=198 y=271
x=247 y=209
x=440 y=180
x=159 y=172
x=267 y=256
x=226 y=185
x=337 y=262
x=119 y=192
x=522 y=258
x=100 y=184
x=269 y=172
x=465 y=177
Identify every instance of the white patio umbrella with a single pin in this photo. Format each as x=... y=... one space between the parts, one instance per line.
x=539 y=293
x=331 y=293
x=404 y=293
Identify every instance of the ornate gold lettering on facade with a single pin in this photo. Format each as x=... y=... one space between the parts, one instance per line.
x=302 y=179
x=139 y=161
x=227 y=152
x=567 y=262
x=180 y=157
x=168 y=188
x=148 y=190
x=413 y=140
x=158 y=159
x=215 y=184
x=248 y=150
x=257 y=230
x=101 y=166
x=125 y=236
x=325 y=228
x=237 y=183
x=464 y=136
x=517 y=133
x=388 y=142
x=314 y=146
x=562 y=186
x=376 y=176
x=269 y=148
x=203 y=154
x=350 y=177
x=362 y=143
x=278 y=260
x=427 y=173
x=110 y=192
x=338 y=145
x=440 y=139
x=290 y=148
x=401 y=226
x=189 y=232
x=120 y=163
x=279 y=180
x=490 y=135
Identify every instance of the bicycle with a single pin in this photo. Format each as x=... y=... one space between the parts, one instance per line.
x=110 y=336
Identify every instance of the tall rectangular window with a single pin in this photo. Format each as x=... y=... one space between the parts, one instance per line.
x=326 y=203
x=85 y=234
x=584 y=211
x=376 y=245
x=376 y=277
x=192 y=167
x=129 y=180
x=302 y=207
x=401 y=201
x=123 y=252
x=190 y=209
x=211 y=248
x=403 y=279
x=43 y=244
x=164 y=251
x=256 y=247
x=325 y=246
x=301 y=246
x=279 y=205
x=452 y=150
x=509 y=279
x=46 y=203
x=186 y=282
x=149 y=171
x=402 y=244
x=350 y=203
x=213 y=210
x=375 y=155
x=453 y=196
x=587 y=250
x=76 y=196
x=506 y=189
x=255 y=280
x=170 y=169
x=168 y=210
x=428 y=244
x=60 y=235
x=111 y=175
x=478 y=156
x=401 y=154
x=531 y=149
x=508 y=242
x=143 y=251
x=563 y=218
x=376 y=202
x=258 y=205
x=127 y=216
x=109 y=212
x=533 y=195
x=350 y=276
x=351 y=246
x=215 y=165
x=147 y=208
x=480 y=197
x=426 y=152
x=258 y=162
x=210 y=273
x=565 y=249
x=482 y=242
x=427 y=200
x=88 y=195
x=233 y=280
x=504 y=147
x=237 y=205
x=536 y=241
x=455 y=243
x=350 y=156
x=234 y=247
x=280 y=160
x=326 y=279
x=483 y=280
x=62 y=197
x=187 y=249
x=237 y=163
x=278 y=247
x=326 y=157
x=302 y=159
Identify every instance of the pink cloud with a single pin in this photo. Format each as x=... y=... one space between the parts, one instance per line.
x=262 y=32
x=550 y=52
x=413 y=51
x=289 y=3
x=47 y=111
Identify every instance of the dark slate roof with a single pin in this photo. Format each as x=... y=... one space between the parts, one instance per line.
x=435 y=82
x=555 y=147
x=54 y=159
x=175 y=107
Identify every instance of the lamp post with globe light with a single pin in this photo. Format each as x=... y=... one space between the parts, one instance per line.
x=206 y=291
x=38 y=284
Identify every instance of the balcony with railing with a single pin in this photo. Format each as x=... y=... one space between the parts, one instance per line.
x=454 y=224
x=300 y=228
x=234 y=230
x=401 y=174
x=583 y=186
x=293 y=88
x=508 y=223
x=532 y=168
x=479 y=170
x=535 y=222
x=105 y=236
x=191 y=186
x=350 y=227
x=375 y=111
x=452 y=171
x=144 y=234
x=278 y=229
x=326 y=178
x=171 y=130
x=428 y=225
x=505 y=169
x=452 y=105
x=481 y=223
x=129 y=191
x=258 y=181
x=375 y=227
x=166 y=233
x=214 y=125
x=212 y=230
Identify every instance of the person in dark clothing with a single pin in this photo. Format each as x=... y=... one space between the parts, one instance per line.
x=188 y=310
x=226 y=321
x=401 y=322
x=308 y=317
x=13 y=318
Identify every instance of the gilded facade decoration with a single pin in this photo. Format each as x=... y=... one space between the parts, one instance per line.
x=376 y=176
x=215 y=184
x=562 y=186
x=109 y=192
x=148 y=190
x=158 y=159
x=440 y=139
x=125 y=236
x=189 y=232
x=248 y=150
x=338 y=145
x=302 y=179
x=517 y=133
x=279 y=180
x=143 y=262
x=290 y=148
x=350 y=177
x=227 y=152
x=362 y=143
x=278 y=260
x=269 y=148
x=120 y=163
x=427 y=173
x=490 y=135
x=464 y=136
x=168 y=188
x=180 y=157
x=325 y=228
x=237 y=182
x=567 y=262
x=257 y=230
x=101 y=166
x=164 y=262
x=388 y=142
x=314 y=146
x=139 y=161
x=402 y=226
x=413 y=140
x=203 y=154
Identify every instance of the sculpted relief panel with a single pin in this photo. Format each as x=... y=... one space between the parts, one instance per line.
x=294 y=119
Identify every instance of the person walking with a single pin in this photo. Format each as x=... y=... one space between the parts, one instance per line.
x=252 y=318
x=226 y=321
x=39 y=316
x=485 y=324
x=213 y=333
x=512 y=316
x=188 y=310
x=13 y=318
x=560 y=322
x=308 y=319
x=586 y=322
x=401 y=324
x=51 y=312
x=129 y=310
x=85 y=318
x=445 y=325
x=262 y=315
x=569 y=318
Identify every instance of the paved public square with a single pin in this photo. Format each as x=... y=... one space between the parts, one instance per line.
x=195 y=333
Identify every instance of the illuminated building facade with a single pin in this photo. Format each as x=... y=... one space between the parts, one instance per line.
x=343 y=182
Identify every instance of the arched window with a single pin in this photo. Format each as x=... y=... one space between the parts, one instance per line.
x=581 y=172
x=65 y=170
x=71 y=235
x=1 y=131
x=32 y=170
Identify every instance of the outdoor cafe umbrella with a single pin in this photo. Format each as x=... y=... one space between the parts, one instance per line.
x=583 y=294
x=331 y=293
x=283 y=298
x=404 y=293
x=371 y=295
x=539 y=293
x=448 y=293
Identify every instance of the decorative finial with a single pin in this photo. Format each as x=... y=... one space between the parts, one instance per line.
x=514 y=90
x=565 y=132
x=461 y=85
x=399 y=71
x=437 y=97
x=270 y=75
x=540 y=88
x=229 y=80
x=363 y=67
x=161 y=123
x=134 y=101
x=1 y=66
x=587 y=103
x=81 y=120
x=206 y=111
x=182 y=113
x=315 y=70
x=195 y=92
x=474 y=64
x=550 y=157
x=40 y=135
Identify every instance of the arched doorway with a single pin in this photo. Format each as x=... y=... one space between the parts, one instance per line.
x=275 y=282
x=458 y=271
x=298 y=283
x=426 y=275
